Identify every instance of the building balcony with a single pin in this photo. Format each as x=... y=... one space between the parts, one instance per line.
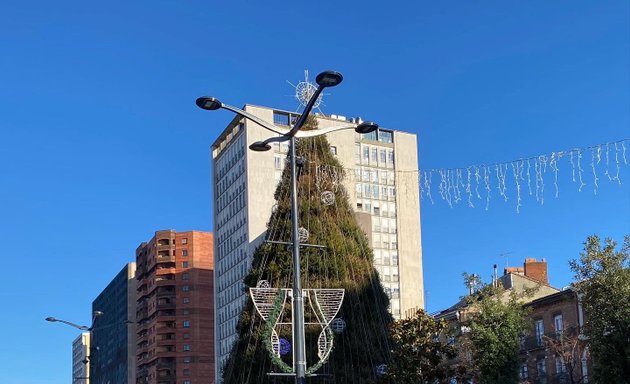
x=165 y=259
x=530 y=343
x=142 y=335
x=165 y=305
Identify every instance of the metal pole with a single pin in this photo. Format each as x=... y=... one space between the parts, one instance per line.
x=298 y=300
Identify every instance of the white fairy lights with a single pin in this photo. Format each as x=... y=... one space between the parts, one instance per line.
x=452 y=183
x=531 y=171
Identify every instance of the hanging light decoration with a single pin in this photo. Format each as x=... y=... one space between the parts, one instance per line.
x=263 y=284
x=338 y=325
x=303 y=234
x=328 y=198
x=285 y=347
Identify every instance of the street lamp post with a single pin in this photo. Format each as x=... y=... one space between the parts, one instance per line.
x=324 y=80
x=84 y=328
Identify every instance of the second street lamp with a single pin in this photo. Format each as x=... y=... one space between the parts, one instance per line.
x=324 y=80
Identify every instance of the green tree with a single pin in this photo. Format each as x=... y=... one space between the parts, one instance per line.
x=495 y=318
x=602 y=276
x=345 y=262
x=421 y=351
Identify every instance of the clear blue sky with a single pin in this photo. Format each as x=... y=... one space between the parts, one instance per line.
x=101 y=143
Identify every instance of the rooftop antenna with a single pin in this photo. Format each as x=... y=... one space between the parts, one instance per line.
x=507 y=258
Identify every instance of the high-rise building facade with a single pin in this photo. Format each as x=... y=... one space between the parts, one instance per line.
x=114 y=335
x=81 y=359
x=175 y=309
x=382 y=184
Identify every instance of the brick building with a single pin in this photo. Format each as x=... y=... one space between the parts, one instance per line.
x=553 y=351
x=175 y=309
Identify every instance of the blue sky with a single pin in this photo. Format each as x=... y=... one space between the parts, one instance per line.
x=102 y=143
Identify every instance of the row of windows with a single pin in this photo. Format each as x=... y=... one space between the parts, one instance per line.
x=374 y=175
x=541 y=368
x=235 y=270
x=230 y=157
x=234 y=132
x=287 y=119
x=372 y=155
x=375 y=191
x=385 y=258
x=235 y=188
x=381 y=135
x=236 y=221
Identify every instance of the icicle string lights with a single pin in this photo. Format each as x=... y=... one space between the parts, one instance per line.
x=466 y=184
x=530 y=171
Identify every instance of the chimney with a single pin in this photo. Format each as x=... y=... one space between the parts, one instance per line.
x=536 y=270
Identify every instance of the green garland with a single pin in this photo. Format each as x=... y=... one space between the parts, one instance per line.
x=268 y=329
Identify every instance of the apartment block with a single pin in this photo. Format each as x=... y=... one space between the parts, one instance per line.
x=113 y=358
x=175 y=309
x=81 y=359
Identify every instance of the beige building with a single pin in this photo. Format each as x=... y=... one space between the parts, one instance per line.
x=81 y=359
x=382 y=182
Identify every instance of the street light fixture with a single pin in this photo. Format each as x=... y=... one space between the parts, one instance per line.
x=95 y=314
x=324 y=80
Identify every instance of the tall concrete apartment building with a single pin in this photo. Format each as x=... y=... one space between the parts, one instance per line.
x=382 y=186
x=114 y=333
x=175 y=309
x=81 y=359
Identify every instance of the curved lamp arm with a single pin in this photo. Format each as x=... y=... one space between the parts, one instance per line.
x=262 y=123
x=77 y=326
x=319 y=132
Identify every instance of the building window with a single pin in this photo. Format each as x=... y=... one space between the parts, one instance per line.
x=333 y=150
x=186 y=381
x=184 y=264
x=542 y=369
x=187 y=372
x=186 y=300
x=186 y=288
x=540 y=331
x=185 y=240
x=280 y=118
x=523 y=372
x=187 y=359
x=185 y=252
x=185 y=276
x=186 y=323
x=385 y=136
x=558 y=324
x=560 y=367
x=186 y=335
x=186 y=312
x=186 y=347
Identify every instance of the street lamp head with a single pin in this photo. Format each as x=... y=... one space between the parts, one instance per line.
x=329 y=79
x=366 y=127
x=260 y=146
x=50 y=318
x=97 y=313
x=208 y=103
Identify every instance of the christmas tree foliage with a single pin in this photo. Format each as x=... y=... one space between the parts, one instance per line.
x=361 y=344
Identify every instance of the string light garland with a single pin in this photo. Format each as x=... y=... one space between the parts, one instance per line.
x=530 y=171
x=512 y=180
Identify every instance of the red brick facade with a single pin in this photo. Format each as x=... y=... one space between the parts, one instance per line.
x=175 y=312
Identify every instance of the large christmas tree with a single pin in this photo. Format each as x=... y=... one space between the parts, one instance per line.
x=361 y=344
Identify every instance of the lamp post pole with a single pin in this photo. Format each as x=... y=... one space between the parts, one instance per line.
x=83 y=328
x=324 y=80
